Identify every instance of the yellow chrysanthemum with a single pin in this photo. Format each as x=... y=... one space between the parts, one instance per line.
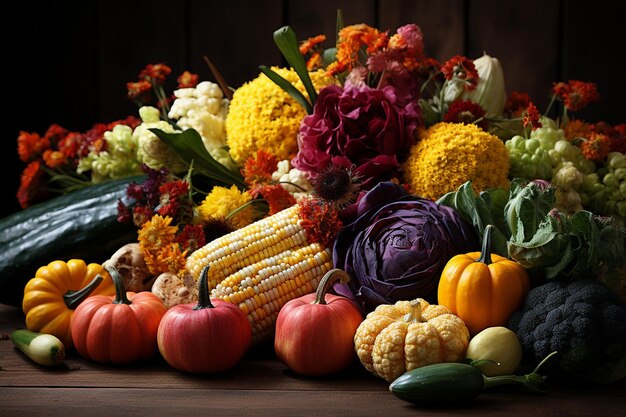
x=263 y=116
x=155 y=236
x=169 y=259
x=450 y=154
x=222 y=201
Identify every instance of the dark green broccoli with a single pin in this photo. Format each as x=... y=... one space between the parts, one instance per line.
x=583 y=321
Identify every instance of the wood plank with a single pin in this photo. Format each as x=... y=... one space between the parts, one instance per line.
x=524 y=36
x=442 y=23
x=133 y=34
x=309 y=18
x=595 y=54
x=235 y=35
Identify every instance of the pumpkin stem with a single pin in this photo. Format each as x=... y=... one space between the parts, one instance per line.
x=485 y=254
x=415 y=315
x=120 y=290
x=74 y=298
x=204 y=299
x=327 y=281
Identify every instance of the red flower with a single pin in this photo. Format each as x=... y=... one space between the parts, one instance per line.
x=428 y=66
x=155 y=73
x=55 y=134
x=172 y=194
x=618 y=139
x=465 y=111
x=191 y=238
x=54 y=159
x=531 y=117
x=259 y=167
x=276 y=196
x=70 y=144
x=319 y=220
x=139 y=91
x=462 y=68
x=187 y=80
x=516 y=103
x=141 y=214
x=31 y=146
x=29 y=183
x=575 y=94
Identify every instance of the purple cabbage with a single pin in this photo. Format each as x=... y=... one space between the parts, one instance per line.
x=398 y=246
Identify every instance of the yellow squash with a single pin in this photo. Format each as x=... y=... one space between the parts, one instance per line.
x=56 y=290
x=482 y=288
x=394 y=339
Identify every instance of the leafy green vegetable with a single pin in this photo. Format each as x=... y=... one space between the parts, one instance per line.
x=481 y=210
x=189 y=146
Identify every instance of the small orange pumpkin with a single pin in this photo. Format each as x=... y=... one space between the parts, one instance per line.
x=482 y=288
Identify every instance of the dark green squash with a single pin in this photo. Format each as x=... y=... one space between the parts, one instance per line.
x=82 y=224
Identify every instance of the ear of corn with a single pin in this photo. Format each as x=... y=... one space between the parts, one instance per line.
x=262 y=266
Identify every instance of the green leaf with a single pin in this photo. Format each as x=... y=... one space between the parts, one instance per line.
x=285 y=39
x=288 y=87
x=189 y=146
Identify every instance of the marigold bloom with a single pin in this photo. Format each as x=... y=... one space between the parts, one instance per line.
x=70 y=144
x=575 y=94
x=351 y=40
x=531 y=117
x=259 y=167
x=462 y=68
x=596 y=147
x=320 y=220
x=464 y=111
x=157 y=233
x=450 y=154
x=187 y=80
x=222 y=202
x=169 y=259
x=263 y=116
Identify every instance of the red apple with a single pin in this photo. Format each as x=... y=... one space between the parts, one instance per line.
x=315 y=332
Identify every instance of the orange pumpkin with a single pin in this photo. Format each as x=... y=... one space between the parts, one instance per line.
x=118 y=329
x=482 y=288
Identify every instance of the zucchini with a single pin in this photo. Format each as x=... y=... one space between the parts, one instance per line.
x=82 y=225
x=440 y=383
x=454 y=383
x=41 y=348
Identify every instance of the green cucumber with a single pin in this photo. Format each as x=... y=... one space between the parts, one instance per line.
x=440 y=383
x=44 y=349
x=78 y=225
x=455 y=383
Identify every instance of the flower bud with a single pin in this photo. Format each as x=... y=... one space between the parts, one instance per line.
x=490 y=92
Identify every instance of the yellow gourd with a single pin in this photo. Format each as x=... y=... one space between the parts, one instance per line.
x=481 y=288
x=394 y=339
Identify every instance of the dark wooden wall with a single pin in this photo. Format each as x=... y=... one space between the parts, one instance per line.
x=69 y=61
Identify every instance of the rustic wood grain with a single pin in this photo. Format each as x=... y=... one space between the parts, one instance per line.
x=259 y=385
x=524 y=36
x=235 y=35
x=442 y=23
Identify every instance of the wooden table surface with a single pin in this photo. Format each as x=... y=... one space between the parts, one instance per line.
x=258 y=386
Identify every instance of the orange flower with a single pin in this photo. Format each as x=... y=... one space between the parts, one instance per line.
x=531 y=117
x=577 y=129
x=155 y=73
x=187 y=80
x=575 y=94
x=596 y=147
x=139 y=90
x=169 y=259
x=54 y=159
x=311 y=43
x=259 y=167
x=516 y=103
x=31 y=146
x=351 y=40
x=276 y=196
x=319 y=220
